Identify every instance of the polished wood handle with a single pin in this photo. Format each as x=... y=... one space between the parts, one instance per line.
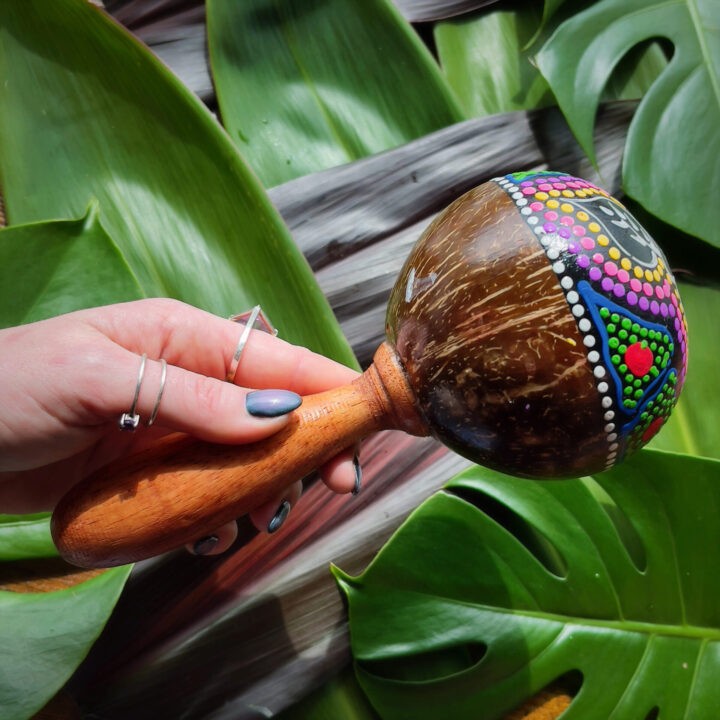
x=182 y=489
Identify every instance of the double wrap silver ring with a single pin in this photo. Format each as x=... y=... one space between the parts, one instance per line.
x=130 y=420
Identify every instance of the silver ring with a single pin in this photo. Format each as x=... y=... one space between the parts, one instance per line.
x=250 y=319
x=130 y=420
x=161 y=389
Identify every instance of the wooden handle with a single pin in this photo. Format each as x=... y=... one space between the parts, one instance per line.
x=182 y=489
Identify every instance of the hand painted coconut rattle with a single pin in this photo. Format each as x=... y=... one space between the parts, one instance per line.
x=535 y=328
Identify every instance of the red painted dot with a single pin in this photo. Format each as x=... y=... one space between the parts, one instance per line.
x=639 y=359
x=653 y=428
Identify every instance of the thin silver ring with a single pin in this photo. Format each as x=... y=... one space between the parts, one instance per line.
x=161 y=389
x=130 y=420
x=230 y=377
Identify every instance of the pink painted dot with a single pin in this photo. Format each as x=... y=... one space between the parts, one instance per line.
x=564 y=233
x=654 y=307
x=588 y=243
x=595 y=273
x=677 y=324
x=647 y=289
x=583 y=261
x=528 y=191
x=632 y=298
x=644 y=303
x=623 y=275
x=559 y=185
x=664 y=309
x=611 y=268
x=659 y=293
x=607 y=284
x=573 y=248
x=673 y=300
x=598 y=258
x=549 y=227
x=545 y=187
x=536 y=206
x=666 y=289
x=567 y=220
x=636 y=285
x=672 y=311
x=525 y=183
x=579 y=230
x=551 y=216
x=619 y=290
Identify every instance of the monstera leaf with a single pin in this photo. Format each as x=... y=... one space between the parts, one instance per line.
x=675 y=137
x=497 y=587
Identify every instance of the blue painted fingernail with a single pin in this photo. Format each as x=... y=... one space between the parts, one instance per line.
x=279 y=517
x=271 y=403
x=205 y=545
x=358 y=476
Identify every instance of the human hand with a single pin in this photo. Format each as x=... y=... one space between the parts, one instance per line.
x=67 y=380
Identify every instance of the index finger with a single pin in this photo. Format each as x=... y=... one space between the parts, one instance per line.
x=204 y=343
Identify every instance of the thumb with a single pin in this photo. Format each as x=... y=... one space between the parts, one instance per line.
x=205 y=407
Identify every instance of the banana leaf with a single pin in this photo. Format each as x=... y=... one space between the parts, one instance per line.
x=497 y=587
x=293 y=95
x=676 y=131
x=427 y=10
x=87 y=112
x=74 y=265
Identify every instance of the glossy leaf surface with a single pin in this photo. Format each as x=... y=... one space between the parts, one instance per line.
x=499 y=586
x=25 y=536
x=87 y=112
x=45 y=635
x=670 y=164
x=303 y=86
x=57 y=267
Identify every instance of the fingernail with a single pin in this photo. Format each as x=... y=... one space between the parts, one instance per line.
x=279 y=517
x=271 y=403
x=205 y=545
x=358 y=476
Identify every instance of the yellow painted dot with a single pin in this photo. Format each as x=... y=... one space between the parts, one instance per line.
x=614 y=253
x=541 y=196
x=583 y=216
x=568 y=193
x=555 y=193
x=581 y=193
x=648 y=275
x=603 y=240
x=593 y=227
x=637 y=271
x=553 y=204
x=656 y=275
x=566 y=207
x=625 y=264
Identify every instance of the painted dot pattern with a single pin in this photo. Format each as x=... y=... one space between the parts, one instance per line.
x=622 y=294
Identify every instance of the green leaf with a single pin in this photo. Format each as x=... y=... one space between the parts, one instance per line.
x=305 y=86
x=23 y=537
x=87 y=112
x=500 y=586
x=674 y=139
x=484 y=61
x=693 y=425
x=44 y=637
x=56 y=267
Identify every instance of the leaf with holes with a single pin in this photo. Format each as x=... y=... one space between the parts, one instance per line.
x=670 y=163
x=497 y=587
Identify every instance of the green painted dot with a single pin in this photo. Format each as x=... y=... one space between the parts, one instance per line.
x=638 y=394
x=623 y=368
x=615 y=318
x=635 y=328
x=633 y=339
x=611 y=328
x=646 y=378
x=615 y=359
x=643 y=332
x=604 y=312
x=626 y=323
x=613 y=342
x=654 y=371
x=627 y=391
x=622 y=349
x=629 y=378
x=653 y=346
x=622 y=334
x=644 y=416
x=637 y=383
